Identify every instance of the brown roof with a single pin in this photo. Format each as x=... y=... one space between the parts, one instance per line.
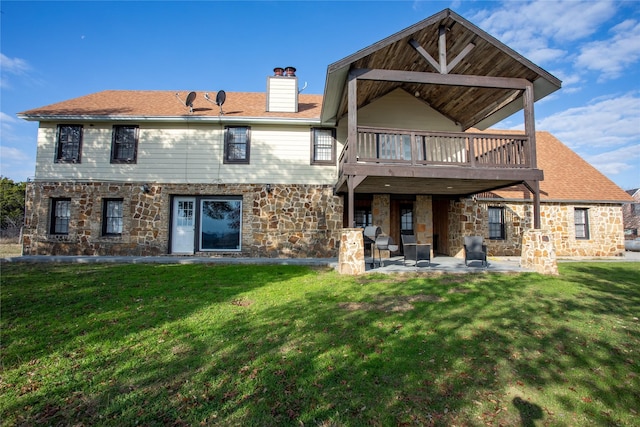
x=137 y=103
x=566 y=176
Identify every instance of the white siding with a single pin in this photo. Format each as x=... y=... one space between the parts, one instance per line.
x=398 y=110
x=169 y=153
x=401 y=110
x=282 y=94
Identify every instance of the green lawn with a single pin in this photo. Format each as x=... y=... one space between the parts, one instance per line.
x=105 y=344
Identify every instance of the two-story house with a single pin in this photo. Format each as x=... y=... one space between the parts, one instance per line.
x=398 y=139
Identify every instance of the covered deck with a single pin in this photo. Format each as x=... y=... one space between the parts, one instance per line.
x=405 y=161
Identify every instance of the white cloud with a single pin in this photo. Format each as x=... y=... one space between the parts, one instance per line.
x=12 y=155
x=532 y=27
x=612 y=56
x=616 y=161
x=604 y=122
x=14 y=65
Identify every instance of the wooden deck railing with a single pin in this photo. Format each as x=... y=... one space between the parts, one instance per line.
x=420 y=148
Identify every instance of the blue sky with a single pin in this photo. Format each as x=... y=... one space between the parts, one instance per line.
x=52 y=51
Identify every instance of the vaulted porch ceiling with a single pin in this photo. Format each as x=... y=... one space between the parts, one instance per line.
x=469 y=51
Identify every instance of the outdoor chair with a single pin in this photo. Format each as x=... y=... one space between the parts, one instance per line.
x=475 y=250
x=415 y=251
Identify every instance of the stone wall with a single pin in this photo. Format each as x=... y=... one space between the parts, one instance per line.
x=538 y=252
x=468 y=217
x=289 y=221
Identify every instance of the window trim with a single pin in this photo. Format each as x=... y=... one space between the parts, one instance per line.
x=105 y=218
x=587 y=234
x=114 y=132
x=314 y=133
x=503 y=233
x=246 y=160
x=53 y=222
x=59 y=146
x=200 y=201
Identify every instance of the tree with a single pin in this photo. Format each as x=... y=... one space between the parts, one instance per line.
x=11 y=206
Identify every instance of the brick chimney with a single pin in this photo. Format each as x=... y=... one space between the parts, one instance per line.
x=282 y=91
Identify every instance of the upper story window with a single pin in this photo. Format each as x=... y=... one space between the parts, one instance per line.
x=237 y=144
x=496 y=223
x=581 y=220
x=69 y=144
x=323 y=146
x=112 y=217
x=124 y=145
x=60 y=216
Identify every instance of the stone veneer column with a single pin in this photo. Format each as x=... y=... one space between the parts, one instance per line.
x=381 y=210
x=538 y=252
x=424 y=220
x=351 y=254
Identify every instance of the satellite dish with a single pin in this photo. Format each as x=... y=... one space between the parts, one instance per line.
x=221 y=96
x=190 y=99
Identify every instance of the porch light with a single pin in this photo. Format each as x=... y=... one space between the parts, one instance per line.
x=145 y=188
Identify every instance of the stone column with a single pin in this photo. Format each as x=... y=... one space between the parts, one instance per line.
x=351 y=254
x=538 y=252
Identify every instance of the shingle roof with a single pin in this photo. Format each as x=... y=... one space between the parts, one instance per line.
x=136 y=103
x=567 y=176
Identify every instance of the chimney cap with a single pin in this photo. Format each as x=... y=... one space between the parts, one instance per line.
x=290 y=71
x=278 y=71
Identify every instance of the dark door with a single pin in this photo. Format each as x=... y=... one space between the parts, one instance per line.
x=441 y=226
x=401 y=220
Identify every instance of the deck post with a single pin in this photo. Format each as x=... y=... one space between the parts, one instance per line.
x=352 y=120
x=530 y=124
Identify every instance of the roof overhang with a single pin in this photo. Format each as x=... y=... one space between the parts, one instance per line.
x=169 y=119
x=472 y=51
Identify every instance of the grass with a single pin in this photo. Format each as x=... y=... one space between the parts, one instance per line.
x=285 y=345
x=10 y=247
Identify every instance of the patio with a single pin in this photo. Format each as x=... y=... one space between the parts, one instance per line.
x=446 y=264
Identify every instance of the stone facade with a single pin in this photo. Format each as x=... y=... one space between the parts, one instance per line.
x=293 y=221
x=351 y=255
x=468 y=217
x=538 y=252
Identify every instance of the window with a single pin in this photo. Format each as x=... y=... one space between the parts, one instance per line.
x=220 y=223
x=69 y=144
x=496 y=223
x=236 y=144
x=60 y=216
x=581 y=220
x=406 y=219
x=323 y=149
x=124 y=144
x=393 y=146
x=112 y=217
x=362 y=217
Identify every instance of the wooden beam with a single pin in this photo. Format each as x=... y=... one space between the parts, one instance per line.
x=446 y=172
x=352 y=183
x=352 y=119
x=440 y=79
x=460 y=57
x=534 y=187
x=442 y=49
x=529 y=122
x=425 y=55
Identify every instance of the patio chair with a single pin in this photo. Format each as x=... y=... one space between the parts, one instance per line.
x=415 y=251
x=475 y=250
